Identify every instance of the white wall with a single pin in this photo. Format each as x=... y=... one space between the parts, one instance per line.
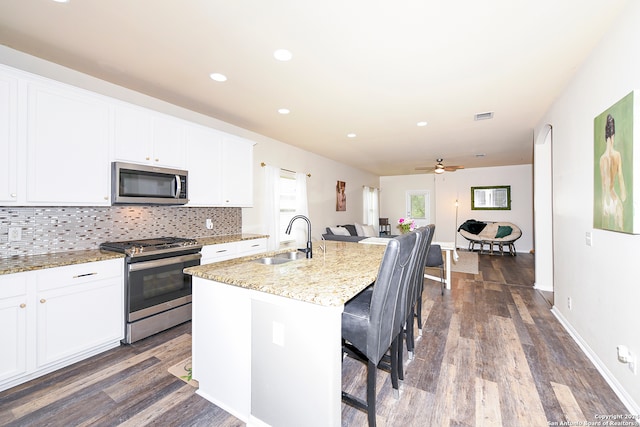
x=393 y=191
x=451 y=186
x=457 y=185
x=321 y=186
x=601 y=279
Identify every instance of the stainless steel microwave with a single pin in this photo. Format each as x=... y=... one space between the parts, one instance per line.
x=149 y=185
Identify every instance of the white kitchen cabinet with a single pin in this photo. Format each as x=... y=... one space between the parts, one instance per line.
x=204 y=157
x=237 y=171
x=148 y=137
x=230 y=250
x=54 y=317
x=78 y=308
x=68 y=133
x=13 y=333
x=8 y=137
x=252 y=246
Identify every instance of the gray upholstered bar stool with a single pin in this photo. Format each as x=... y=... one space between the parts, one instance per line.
x=415 y=292
x=434 y=259
x=368 y=319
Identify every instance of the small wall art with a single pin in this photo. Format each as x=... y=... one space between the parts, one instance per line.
x=341 y=196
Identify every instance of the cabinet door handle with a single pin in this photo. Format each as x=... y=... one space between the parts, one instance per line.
x=42 y=301
x=221 y=250
x=23 y=305
x=147 y=158
x=13 y=195
x=84 y=275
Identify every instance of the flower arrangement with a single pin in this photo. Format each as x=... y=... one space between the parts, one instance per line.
x=406 y=225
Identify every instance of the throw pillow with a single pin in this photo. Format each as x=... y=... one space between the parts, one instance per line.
x=369 y=231
x=350 y=228
x=339 y=231
x=359 y=230
x=503 y=231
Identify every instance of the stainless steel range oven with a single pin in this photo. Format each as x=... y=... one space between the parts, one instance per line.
x=157 y=292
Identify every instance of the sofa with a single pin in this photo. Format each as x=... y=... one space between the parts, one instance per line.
x=350 y=233
x=492 y=234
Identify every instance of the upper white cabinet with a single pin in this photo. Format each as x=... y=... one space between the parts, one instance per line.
x=147 y=137
x=54 y=142
x=57 y=143
x=237 y=171
x=204 y=151
x=8 y=138
x=220 y=168
x=67 y=146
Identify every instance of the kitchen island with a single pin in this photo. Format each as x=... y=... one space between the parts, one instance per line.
x=267 y=337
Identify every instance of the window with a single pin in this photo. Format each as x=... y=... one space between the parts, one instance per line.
x=370 y=206
x=419 y=206
x=288 y=203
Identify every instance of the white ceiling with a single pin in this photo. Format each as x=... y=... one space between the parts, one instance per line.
x=371 y=67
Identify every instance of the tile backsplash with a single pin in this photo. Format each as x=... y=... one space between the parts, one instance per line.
x=58 y=229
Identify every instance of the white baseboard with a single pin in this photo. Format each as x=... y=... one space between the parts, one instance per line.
x=627 y=400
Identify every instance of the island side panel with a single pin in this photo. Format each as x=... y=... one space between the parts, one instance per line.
x=296 y=368
x=221 y=345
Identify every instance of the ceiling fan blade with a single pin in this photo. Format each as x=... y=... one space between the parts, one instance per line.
x=453 y=168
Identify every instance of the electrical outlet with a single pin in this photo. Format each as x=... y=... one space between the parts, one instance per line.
x=208 y=223
x=15 y=234
x=569 y=303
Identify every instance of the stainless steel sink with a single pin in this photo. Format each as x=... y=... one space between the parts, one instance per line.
x=271 y=260
x=280 y=258
x=290 y=256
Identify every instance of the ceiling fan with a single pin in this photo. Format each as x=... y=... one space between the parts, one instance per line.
x=439 y=168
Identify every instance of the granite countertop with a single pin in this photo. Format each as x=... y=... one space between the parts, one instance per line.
x=22 y=263
x=227 y=238
x=18 y=264
x=330 y=278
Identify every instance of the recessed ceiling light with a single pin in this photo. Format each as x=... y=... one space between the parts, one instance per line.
x=61 y=1
x=218 y=77
x=284 y=110
x=351 y=135
x=422 y=124
x=282 y=55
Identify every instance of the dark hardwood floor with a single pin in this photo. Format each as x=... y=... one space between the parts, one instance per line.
x=491 y=354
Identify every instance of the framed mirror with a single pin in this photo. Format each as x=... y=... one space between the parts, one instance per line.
x=497 y=197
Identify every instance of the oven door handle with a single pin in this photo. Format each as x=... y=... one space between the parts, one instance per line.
x=145 y=265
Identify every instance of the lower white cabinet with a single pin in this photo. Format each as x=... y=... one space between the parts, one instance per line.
x=13 y=326
x=230 y=250
x=55 y=317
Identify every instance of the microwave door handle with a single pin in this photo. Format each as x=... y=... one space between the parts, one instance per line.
x=178 y=187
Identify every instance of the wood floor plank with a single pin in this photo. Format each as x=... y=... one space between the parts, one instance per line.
x=521 y=402
x=570 y=407
x=487 y=399
x=152 y=413
x=522 y=309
